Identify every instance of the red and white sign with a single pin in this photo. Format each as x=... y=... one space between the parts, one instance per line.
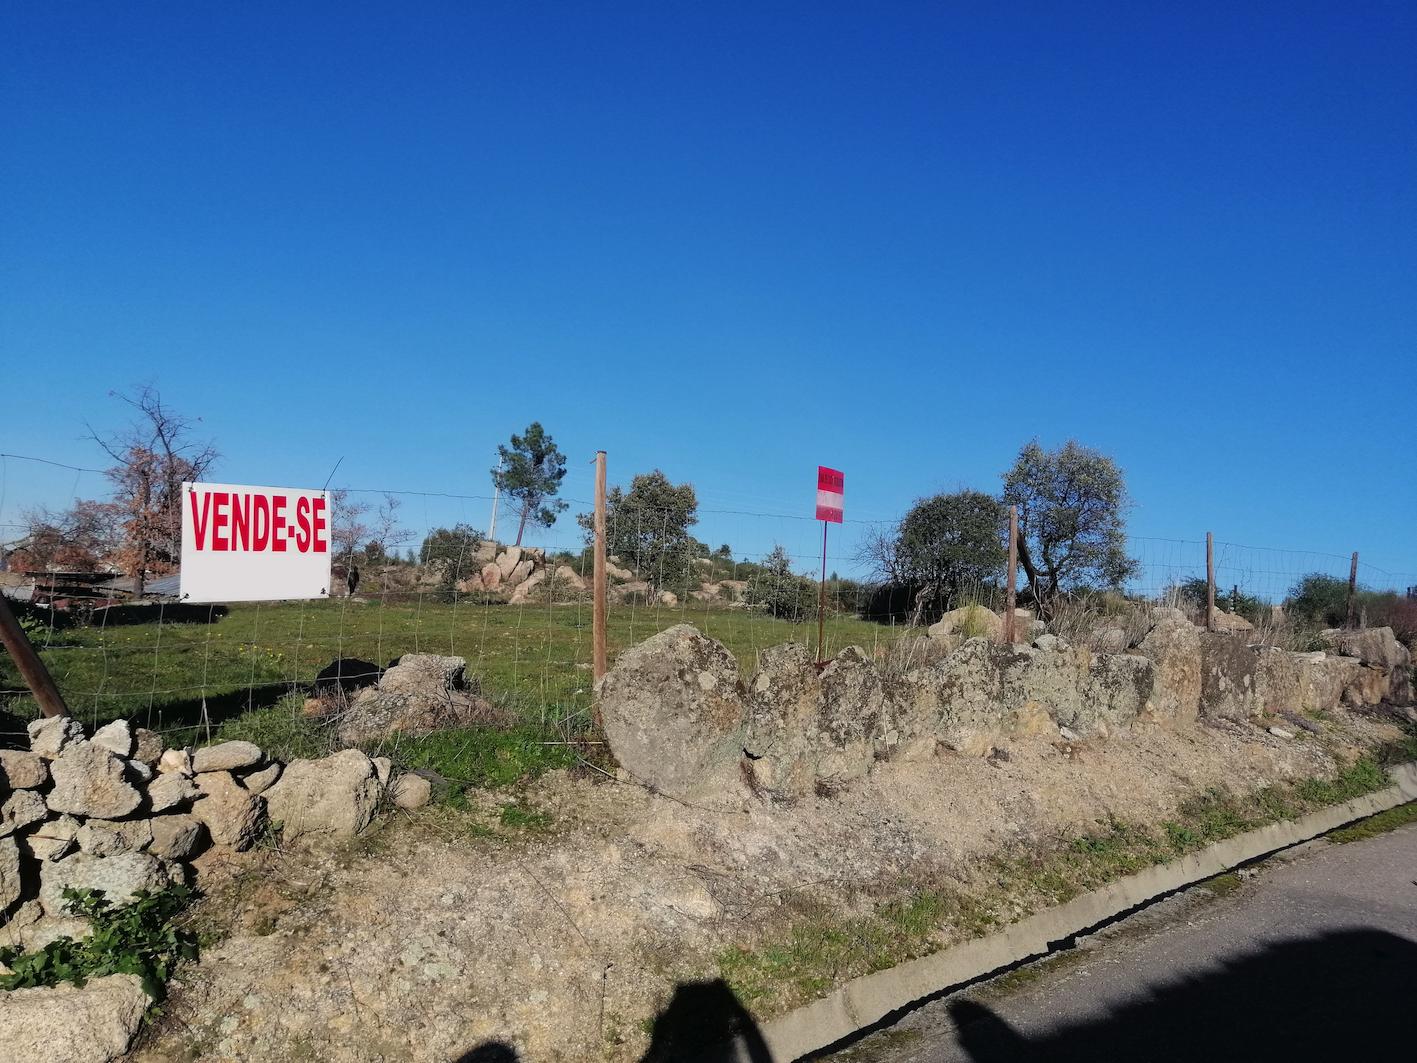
x=831 y=494
x=254 y=544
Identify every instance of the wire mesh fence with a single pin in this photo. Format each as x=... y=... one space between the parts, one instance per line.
x=745 y=576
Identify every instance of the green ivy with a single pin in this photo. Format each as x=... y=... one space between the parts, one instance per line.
x=138 y=938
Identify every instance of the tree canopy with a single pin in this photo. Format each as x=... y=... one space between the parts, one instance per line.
x=647 y=527
x=530 y=474
x=1071 y=503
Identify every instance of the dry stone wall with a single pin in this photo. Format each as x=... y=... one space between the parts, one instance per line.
x=678 y=719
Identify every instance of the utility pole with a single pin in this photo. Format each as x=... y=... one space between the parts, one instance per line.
x=496 y=493
x=36 y=676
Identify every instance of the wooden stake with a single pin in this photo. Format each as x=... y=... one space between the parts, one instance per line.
x=36 y=676
x=1011 y=596
x=598 y=576
x=822 y=601
x=1209 y=581
x=1353 y=591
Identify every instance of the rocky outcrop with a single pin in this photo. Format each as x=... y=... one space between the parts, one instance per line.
x=968 y=622
x=421 y=693
x=674 y=713
x=1173 y=646
x=1229 y=678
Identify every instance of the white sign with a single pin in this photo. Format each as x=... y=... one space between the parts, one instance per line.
x=254 y=544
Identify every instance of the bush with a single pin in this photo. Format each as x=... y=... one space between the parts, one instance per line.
x=1319 y=598
x=780 y=592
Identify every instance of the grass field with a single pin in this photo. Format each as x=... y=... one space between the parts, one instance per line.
x=245 y=660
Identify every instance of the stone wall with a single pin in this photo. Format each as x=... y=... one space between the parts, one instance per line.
x=114 y=810
x=679 y=719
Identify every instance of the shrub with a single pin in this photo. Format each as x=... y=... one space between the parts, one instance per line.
x=138 y=938
x=779 y=591
x=1319 y=598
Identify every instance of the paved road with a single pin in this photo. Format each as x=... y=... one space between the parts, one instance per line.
x=1314 y=958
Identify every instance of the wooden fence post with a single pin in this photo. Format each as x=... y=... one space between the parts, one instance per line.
x=1209 y=581
x=598 y=577
x=1353 y=592
x=1011 y=595
x=36 y=676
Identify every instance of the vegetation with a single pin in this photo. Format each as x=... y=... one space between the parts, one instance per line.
x=778 y=591
x=647 y=527
x=945 y=548
x=141 y=938
x=1071 y=504
x=819 y=947
x=530 y=474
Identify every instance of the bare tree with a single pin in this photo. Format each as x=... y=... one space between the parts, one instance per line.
x=152 y=457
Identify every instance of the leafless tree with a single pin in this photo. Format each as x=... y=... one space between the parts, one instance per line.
x=152 y=458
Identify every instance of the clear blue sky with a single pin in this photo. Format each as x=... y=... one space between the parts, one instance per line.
x=901 y=239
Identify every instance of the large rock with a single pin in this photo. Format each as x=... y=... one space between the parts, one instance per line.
x=177 y=837
x=509 y=559
x=147 y=747
x=1173 y=646
x=90 y=781
x=116 y=737
x=422 y=693
x=232 y=814
x=120 y=877
x=784 y=696
x=1229 y=623
x=1229 y=670
x=520 y=572
x=962 y=698
x=673 y=712
x=108 y=837
x=570 y=577
x=20 y=809
x=51 y=736
x=856 y=719
x=1376 y=646
x=52 y=840
x=410 y=791
x=1117 y=688
x=525 y=587
x=68 y=1024
x=970 y=621
x=169 y=790
x=226 y=756
x=491 y=577
x=11 y=887
x=334 y=797
x=22 y=771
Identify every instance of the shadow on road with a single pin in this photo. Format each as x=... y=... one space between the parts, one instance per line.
x=703 y=1023
x=1334 y=996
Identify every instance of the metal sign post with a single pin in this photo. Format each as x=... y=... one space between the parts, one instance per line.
x=831 y=495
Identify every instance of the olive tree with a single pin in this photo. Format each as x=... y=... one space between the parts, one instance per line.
x=946 y=545
x=1072 y=530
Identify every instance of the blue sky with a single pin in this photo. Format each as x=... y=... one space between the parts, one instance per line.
x=733 y=243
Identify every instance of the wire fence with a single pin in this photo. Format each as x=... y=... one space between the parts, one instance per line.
x=174 y=667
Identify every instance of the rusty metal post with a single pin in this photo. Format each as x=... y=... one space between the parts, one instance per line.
x=1353 y=592
x=1011 y=596
x=598 y=575
x=36 y=676
x=1209 y=581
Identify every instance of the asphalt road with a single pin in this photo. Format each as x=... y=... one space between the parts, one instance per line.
x=1312 y=958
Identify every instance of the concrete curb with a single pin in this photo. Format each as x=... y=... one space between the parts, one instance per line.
x=868 y=999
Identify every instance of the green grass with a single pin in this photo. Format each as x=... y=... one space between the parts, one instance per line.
x=819 y=948
x=534 y=657
x=1383 y=822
